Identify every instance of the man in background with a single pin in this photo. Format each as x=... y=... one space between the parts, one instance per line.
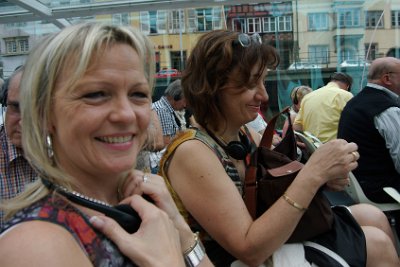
x=320 y=110
x=168 y=109
x=15 y=171
x=372 y=120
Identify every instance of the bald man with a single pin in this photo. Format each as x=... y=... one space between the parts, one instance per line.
x=372 y=120
x=15 y=171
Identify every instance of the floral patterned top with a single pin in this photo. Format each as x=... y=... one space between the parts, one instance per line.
x=101 y=251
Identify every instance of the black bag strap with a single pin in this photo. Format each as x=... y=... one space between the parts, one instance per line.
x=250 y=183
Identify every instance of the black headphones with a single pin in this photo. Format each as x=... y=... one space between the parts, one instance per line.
x=295 y=99
x=236 y=149
x=177 y=97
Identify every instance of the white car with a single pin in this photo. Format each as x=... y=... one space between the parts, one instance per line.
x=354 y=63
x=303 y=65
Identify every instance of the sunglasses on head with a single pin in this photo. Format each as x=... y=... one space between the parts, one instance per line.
x=245 y=40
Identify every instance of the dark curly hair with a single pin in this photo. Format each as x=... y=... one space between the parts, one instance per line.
x=216 y=59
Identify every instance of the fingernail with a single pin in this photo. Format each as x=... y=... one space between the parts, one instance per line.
x=96 y=221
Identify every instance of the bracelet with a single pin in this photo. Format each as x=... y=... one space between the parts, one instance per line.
x=293 y=203
x=195 y=253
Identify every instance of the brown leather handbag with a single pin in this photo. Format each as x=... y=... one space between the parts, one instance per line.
x=270 y=173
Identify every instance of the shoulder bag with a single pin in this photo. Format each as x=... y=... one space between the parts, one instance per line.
x=270 y=173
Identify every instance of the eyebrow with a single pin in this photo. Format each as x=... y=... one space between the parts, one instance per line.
x=13 y=103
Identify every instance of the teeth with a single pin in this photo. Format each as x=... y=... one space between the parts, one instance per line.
x=115 y=140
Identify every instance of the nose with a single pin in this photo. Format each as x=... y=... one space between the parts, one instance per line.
x=122 y=110
x=262 y=92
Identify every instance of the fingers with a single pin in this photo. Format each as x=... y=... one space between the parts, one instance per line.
x=152 y=185
x=157 y=237
x=338 y=184
x=333 y=160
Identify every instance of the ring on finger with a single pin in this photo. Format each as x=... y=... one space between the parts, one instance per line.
x=354 y=155
x=145 y=178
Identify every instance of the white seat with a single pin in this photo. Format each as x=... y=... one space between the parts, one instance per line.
x=355 y=191
x=357 y=194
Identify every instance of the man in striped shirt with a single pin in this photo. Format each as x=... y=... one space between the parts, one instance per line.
x=15 y=171
x=371 y=119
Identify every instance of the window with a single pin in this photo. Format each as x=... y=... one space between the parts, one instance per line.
x=161 y=22
x=145 y=22
x=200 y=20
x=348 y=53
x=178 y=59
x=204 y=19
x=269 y=24
x=239 y=25
x=371 y=54
x=153 y=21
x=318 y=21
x=347 y=18
x=396 y=18
x=217 y=18
x=176 y=21
x=254 y=25
x=318 y=54
x=120 y=19
x=11 y=46
x=372 y=19
x=17 y=45
x=284 y=23
x=23 y=45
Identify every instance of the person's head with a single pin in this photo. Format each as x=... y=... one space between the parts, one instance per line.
x=297 y=95
x=175 y=95
x=385 y=71
x=10 y=99
x=89 y=92
x=224 y=77
x=343 y=80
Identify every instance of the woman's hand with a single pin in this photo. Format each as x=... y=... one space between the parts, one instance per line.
x=157 y=241
x=338 y=184
x=332 y=162
x=152 y=185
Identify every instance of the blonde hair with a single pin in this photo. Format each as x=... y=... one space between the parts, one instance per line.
x=79 y=46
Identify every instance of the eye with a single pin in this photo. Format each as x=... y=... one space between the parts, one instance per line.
x=139 y=95
x=94 y=95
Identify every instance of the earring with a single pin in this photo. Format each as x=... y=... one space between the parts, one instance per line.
x=49 y=147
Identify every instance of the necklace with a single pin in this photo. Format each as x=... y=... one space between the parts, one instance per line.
x=65 y=192
x=73 y=195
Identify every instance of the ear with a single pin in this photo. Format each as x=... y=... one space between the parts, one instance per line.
x=386 y=79
x=51 y=129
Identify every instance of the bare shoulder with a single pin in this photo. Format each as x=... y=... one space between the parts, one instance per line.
x=39 y=243
x=194 y=151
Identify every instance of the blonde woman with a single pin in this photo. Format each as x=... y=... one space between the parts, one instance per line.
x=86 y=102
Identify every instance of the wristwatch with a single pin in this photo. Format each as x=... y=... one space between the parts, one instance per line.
x=195 y=253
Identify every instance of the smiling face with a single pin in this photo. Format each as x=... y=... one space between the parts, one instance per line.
x=99 y=126
x=242 y=106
